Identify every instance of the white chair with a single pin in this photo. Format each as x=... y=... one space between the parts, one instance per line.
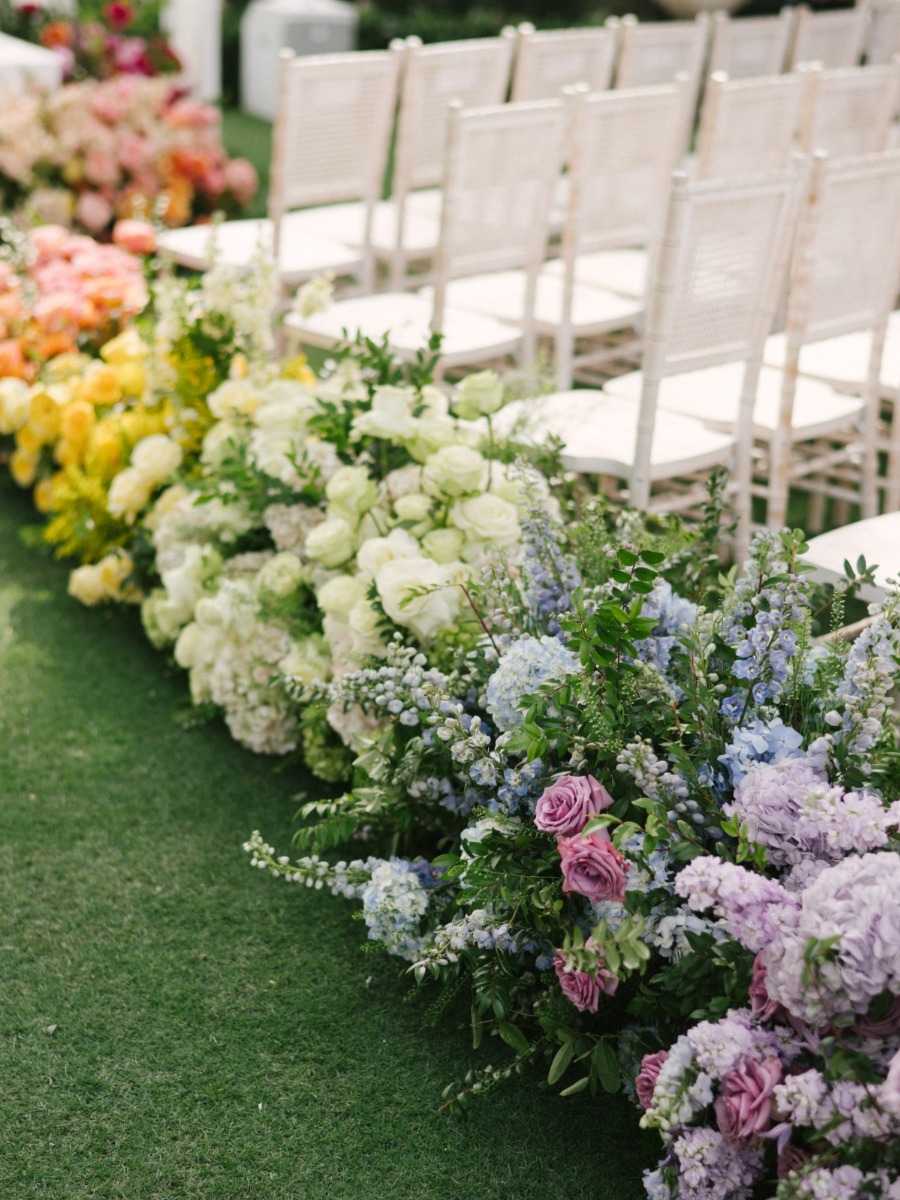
x=749 y=126
x=717 y=279
x=876 y=539
x=330 y=144
x=656 y=51
x=637 y=140
x=835 y=38
x=883 y=39
x=406 y=228
x=749 y=47
x=850 y=110
x=550 y=60
x=844 y=273
x=501 y=164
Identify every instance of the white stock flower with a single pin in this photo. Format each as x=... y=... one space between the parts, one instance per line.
x=331 y=543
x=425 y=613
x=454 y=471
x=315 y=295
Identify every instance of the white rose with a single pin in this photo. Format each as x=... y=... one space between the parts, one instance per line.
x=234 y=397
x=416 y=509
x=425 y=613
x=454 y=471
x=366 y=639
x=433 y=403
x=161 y=620
x=352 y=490
x=374 y=553
x=433 y=433
x=337 y=596
x=129 y=492
x=14 y=400
x=220 y=443
x=287 y=408
x=86 y=585
x=478 y=395
x=280 y=576
x=189 y=647
x=487 y=518
x=402 y=482
x=156 y=457
x=389 y=417
x=443 y=545
x=331 y=543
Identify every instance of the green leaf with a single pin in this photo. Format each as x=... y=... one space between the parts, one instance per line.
x=652 y=557
x=606 y=1067
x=561 y=1060
x=627 y=558
x=514 y=1037
x=576 y=1087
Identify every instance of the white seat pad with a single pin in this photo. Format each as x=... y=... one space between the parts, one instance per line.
x=501 y=294
x=622 y=271
x=344 y=222
x=237 y=243
x=712 y=394
x=876 y=539
x=845 y=359
x=407 y=319
x=599 y=434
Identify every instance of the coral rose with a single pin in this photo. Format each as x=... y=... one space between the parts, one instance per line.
x=743 y=1108
x=593 y=867
x=134 y=235
x=568 y=804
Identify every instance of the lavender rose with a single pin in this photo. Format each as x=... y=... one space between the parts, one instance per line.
x=593 y=867
x=744 y=1107
x=645 y=1080
x=579 y=988
x=567 y=805
x=761 y=1003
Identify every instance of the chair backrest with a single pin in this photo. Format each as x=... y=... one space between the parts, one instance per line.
x=332 y=128
x=834 y=38
x=719 y=276
x=845 y=269
x=656 y=51
x=548 y=61
x=749 y=126
x=624 y=146
x=502 y=162
x=474 y=72
x=883 y=39
x=849 y=110
x=750 y=47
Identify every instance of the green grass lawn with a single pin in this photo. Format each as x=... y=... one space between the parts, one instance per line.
x=174 y=1024
x=250 y=137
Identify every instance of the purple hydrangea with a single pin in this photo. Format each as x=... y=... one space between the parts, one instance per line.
x=710 y=1168
x=754 y=907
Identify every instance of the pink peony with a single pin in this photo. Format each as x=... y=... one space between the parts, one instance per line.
x=743 y=1108
x=579 y=988
x=567 y=805
x=593 y=867
x=645 y=1080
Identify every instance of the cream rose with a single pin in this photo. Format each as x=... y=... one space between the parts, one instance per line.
x=416 y=509
x=479 y=395
x=14 y=401
x=129 y=492
x=331 y=543
x=338 y=595
x=487 y=518
x=281 y=575
x=156 y=458
x=426 y=613
x=366 y=638
x=443 y=545
x=454 y=471
x=389 y=417
x=351 y=490
x=234 y=397
x=374 y=553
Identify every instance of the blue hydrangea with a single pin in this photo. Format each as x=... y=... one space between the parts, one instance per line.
x=521 y=671
x=762 y=741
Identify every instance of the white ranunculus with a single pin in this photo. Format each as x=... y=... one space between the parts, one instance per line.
x=338 y=595
x=15 y=395
x=454 y=471
x=129 y=492
x=479 y=395
x=443 y=545
x=332 y=542
x=374 y=553
x=487 y=518
x=389 y=417
x=425 y=613
x=156 y=458
x=234 y=397
x=366 y=638
x=351 y=490
x=280 y=576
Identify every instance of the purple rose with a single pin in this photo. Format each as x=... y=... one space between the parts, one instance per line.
x=744 y=1107
x=579 y=988
x=567 y=805
x=761 y=1003
x=645 y=1080
x=593 y=867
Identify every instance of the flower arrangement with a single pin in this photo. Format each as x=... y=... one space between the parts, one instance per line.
x=673 y=818
x=95 y=151
x=99 y=42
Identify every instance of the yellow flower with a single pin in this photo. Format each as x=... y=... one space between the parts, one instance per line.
x=77 y=420
x=132 y=377
x=68 y=454
x=101 y=386
x=23 y=467
x=298 y=368
x=105 y=451
x=44 y=416
x=28 y=442
x=61 y=368
x=43 y=495
x=126 y=348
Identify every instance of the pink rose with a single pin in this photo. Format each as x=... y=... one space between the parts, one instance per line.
x=242 y=180
x=761 y=1003
x=743 y=1108
x=134 y=235
x=646 y=1078
x=93 y=211
x=593 y=867
x=567 y=805
x=579 y=988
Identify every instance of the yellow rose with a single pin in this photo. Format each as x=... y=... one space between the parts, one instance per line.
x=132 y=377
x=77 y=420
x=124 y=349
x=104 y=452
x=28 y=442
x=68 y=454
x=44 y=417
x=101 y=386
x=23 y=467
x=43 y=495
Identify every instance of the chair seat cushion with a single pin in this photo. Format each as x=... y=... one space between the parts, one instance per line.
x=876 y=539
x=599 y=434
x=621 y=271
x=501 y=294
x=712 y=395
x=844 y=361
x=344 y=222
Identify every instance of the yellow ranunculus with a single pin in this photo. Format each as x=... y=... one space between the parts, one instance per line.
x=43 y=495
x=101 y=386
x=77 y=420
x=23 y=467
x=126 y=348
x=44 y=417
